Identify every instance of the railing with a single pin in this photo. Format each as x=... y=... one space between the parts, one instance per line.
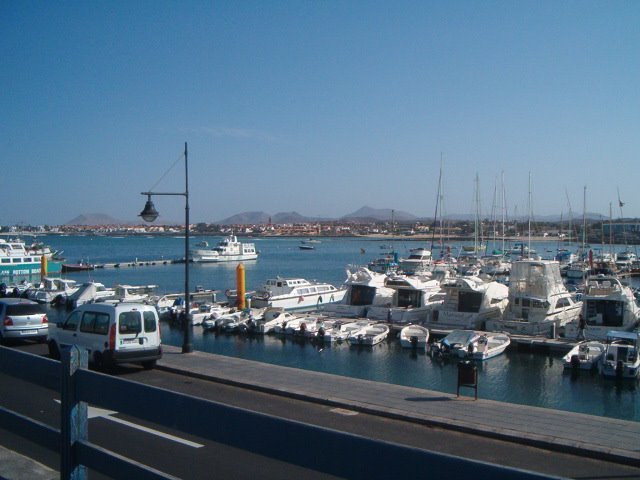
x=309 y=446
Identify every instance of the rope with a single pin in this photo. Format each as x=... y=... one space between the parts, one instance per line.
x=180 y=157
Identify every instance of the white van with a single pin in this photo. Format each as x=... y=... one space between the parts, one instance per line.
x=112 y=333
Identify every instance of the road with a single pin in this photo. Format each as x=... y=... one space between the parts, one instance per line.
x=192 y=457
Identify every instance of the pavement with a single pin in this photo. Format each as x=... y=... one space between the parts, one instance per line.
x=14 y=466
x=579 y=434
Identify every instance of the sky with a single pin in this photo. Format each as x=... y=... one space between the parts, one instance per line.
x=318 y=107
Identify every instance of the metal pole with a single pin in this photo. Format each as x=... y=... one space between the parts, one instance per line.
x=187 y=345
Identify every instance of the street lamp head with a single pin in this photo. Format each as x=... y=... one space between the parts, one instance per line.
x=149 y=214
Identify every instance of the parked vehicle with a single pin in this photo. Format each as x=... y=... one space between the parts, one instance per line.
x=112 y=333
x=21 y=318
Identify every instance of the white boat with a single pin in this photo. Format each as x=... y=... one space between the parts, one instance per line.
x=620 y=358
x=469 y=302
x=89 y=292
x=229 y=249
x=624 y=260
x=52 y=288
x=273 y=318
x=364 y=289
x=306 y=326
x=207 y=311
x=476 y=345
x=342 y=330
x=369 y=336
x=607 y=304
x=413 y=298
x=495 y=265
x=414 y=336
x=296 y=294
x=174 y=301
x=133 y=294
x=418 y=261
x=539 y=302
x=584 y=356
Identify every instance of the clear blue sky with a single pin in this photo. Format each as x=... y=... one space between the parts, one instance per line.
x=317 y=107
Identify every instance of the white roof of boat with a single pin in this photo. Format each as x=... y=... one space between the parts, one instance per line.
x=617 y=334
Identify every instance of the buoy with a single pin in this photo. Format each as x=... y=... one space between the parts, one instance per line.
x=240 y=286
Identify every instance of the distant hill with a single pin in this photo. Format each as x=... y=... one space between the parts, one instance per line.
x=367 y=214
x=91 y=219
x=246 y=218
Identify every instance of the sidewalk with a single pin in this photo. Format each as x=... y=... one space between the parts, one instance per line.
x=14 y=466
x=586 y=435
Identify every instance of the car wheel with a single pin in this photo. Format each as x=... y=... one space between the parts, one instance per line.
x=148 y=364
x=54 y=351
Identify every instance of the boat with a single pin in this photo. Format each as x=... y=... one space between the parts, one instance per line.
x=584 y=355
x=133 y=294
x=539 y=302
x=89 y=292
x=364 y=289
x=418 y=261
x=16 y=260
x=81 y=266
x=304 y=246
x=273 y=318
x=606 y=304
x=370 y=335
x=53 y=288
x=620 y=359
x=342 y=330
x=208 y=311
x=171 y=302
x=469 y=302
x=495 y=265
x=296 y=294
x=471 y=344
x=414 y=336
x=624 y=260
x=386 y=263
x=229 y=249
x=413 y=298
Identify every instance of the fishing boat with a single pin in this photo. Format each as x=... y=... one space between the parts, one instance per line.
x=370 y=335
x=413 y=298
x=607 y=304
x=364 y=289
x=469 y=302
x=620 y=359
x=229 y=249
x=584 y=355
x=476 y=345
x=539 y=302
x=414 y=336
x=296 y=294
x=16 y=260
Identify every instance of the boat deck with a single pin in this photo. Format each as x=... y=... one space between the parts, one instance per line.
x=576 y=433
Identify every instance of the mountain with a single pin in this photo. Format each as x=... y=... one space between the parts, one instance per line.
x=368 y=214
x=91 y=219
x=246 y=218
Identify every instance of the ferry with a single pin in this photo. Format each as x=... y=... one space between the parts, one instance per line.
x=15 y=259
x=228 y=250
x=296 y=294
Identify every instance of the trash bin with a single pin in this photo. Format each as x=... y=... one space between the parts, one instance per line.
x=467 y=376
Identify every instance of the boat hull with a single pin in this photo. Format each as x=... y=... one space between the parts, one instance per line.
x=28 y=269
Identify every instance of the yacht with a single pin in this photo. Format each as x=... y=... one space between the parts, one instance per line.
x=364 y=289
x=539 y=302
x=624 y=260
x=469 y=302
x=296 y=294
x=418 y=261
x=228 y=250
x=413 y=298
x=607 y=304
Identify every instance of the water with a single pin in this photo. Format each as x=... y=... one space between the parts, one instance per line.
x=518 y=377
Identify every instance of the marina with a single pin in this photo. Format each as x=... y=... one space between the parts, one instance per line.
x=529 y=372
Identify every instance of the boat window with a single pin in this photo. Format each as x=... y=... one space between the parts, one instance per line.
x=409 y=298
x=469 y=301
x=562 y=303
x=302 y=291
x=17 y=260
x=526 y=302
x=6 y=260
x=608 y=313
x=279 y=284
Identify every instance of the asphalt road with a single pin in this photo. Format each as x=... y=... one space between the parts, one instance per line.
x=191 y=457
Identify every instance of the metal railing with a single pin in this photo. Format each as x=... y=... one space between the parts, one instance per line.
x=333 y=452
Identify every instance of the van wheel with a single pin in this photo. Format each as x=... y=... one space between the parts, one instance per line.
x=54 y=351
x=148 y=364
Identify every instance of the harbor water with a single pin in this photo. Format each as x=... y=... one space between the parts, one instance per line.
x=523 y=377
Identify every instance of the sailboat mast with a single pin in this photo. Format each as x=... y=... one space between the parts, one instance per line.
x=435 y=215
x=529 y=215
x=584 y=220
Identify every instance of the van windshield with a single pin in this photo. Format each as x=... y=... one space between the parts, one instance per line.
x=129 y=322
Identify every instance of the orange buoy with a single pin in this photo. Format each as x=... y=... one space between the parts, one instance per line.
x=240 y=287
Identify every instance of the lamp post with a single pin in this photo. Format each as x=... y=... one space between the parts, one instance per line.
x=149 y=214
